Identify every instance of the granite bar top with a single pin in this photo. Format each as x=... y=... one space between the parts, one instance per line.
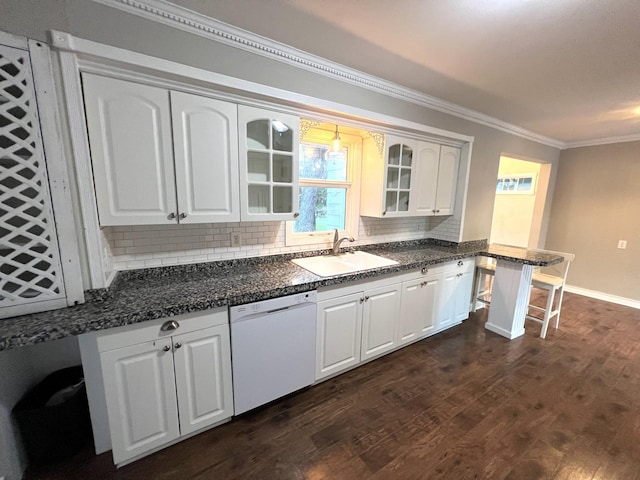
x=149 y=294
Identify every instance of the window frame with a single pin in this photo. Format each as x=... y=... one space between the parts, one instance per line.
x=353 y=143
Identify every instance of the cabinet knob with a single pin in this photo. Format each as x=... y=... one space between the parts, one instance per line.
x=169 y=325
x=384 y=213
x=424 y=270
x=366 y=297
x=437 y=211
x=172 y=216
x=183 y=216
x=178 y=345
x=460 y=263
x=166 y=348
x=296 y=215
x=361 y=300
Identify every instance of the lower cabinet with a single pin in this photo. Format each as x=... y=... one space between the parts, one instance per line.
x=355 y=327
x=155 y=384
x=357 y=323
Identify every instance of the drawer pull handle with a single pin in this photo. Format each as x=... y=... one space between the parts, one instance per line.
x=169 y=325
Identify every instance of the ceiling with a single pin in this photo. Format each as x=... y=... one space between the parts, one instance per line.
x=565 y=69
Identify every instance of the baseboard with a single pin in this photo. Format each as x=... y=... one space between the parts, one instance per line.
x=627 y=302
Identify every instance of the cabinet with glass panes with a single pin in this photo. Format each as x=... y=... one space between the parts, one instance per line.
x=268 y=157
x=388 y=177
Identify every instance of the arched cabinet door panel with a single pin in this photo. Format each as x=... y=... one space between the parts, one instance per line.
x=129 y=128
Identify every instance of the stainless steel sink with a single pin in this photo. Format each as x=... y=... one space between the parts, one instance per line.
x=329 y=265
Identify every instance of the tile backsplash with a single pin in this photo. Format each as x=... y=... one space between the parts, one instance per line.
x=148 y=246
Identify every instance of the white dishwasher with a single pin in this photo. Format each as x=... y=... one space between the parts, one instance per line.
x=273 y=345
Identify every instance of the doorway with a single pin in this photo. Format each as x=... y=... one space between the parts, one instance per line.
x=521 y=191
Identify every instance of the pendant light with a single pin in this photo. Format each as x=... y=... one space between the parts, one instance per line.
x=335 y=143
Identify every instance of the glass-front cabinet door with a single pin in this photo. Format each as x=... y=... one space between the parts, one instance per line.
x=398 y=175
x=268 y=164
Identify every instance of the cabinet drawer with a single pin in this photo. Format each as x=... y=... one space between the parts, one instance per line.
x=145 y=331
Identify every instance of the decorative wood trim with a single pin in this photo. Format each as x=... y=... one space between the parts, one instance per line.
x=14 y=41
x=82 y=162
x=606 y=297
x=306 y=125
x=88 y=50
x=378 y=139
x=179 y=17
x=604 y=141
x=57 y=170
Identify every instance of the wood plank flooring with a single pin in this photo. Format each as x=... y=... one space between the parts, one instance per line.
x=464 y=404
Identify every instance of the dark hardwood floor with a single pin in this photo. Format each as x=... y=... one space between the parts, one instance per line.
x=463 y=404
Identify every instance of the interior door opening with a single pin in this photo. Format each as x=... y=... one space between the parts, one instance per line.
x=521 y=191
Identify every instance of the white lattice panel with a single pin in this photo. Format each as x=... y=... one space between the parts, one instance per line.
x=29 y=259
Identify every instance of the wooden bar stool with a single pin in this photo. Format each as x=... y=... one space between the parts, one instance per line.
x=551 y=279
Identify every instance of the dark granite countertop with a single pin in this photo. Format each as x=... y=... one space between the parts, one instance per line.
x=149 y=294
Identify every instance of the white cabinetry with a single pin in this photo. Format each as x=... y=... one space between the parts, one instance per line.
x=268 y=158
x=147 y=386
x=416 y=178
x=356 y=327
x=159 y=156
x=387 y=183
x=457 y=283
x=420 y=306
x=436 y=176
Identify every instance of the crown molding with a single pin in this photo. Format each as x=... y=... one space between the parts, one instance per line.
x=604 y=141
x=162 y=11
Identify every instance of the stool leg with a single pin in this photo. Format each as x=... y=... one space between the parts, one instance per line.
x=547 y=313
x=561 y=293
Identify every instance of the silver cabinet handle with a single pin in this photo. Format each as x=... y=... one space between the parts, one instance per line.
x=460 y=263
x=361 y=300
x=296 y=215
x=172 y=216
x=169 y=325
x=183 y=216
x=166 y=348
x=178 y=345
x=366 y=297
x=424 y=270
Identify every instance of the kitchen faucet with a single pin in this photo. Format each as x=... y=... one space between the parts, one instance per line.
x=337 y=241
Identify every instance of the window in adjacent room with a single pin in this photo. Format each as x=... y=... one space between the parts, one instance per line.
x=329 y=186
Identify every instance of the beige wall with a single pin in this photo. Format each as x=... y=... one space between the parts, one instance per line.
x=596 y=204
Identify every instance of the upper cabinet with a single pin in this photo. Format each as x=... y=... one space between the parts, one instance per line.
x=160 y=157
x=268 y=155
x=387 y=184
x=415 y=178
x=436 y=178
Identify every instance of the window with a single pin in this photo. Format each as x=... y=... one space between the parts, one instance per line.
x=519 y=184
x=329 y=189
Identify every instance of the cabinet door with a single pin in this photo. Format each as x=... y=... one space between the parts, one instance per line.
x=206 y=159
x=203 y=377
x=339 y=331
x=141 y=398
x=427 y=178
x=446 y=306
x=398 y=175
x=463 y=292
x=129 y=128
x=268 y=153
x=412 y=307
x=379 y=319
x=432 y=297
x=447 y=178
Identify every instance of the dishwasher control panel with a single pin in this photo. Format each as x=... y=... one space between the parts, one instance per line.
x=280 y=303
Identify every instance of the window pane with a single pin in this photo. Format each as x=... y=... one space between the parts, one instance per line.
x=321 y=209
x=318 y=163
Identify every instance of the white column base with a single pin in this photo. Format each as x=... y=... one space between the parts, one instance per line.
x=509 y=299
